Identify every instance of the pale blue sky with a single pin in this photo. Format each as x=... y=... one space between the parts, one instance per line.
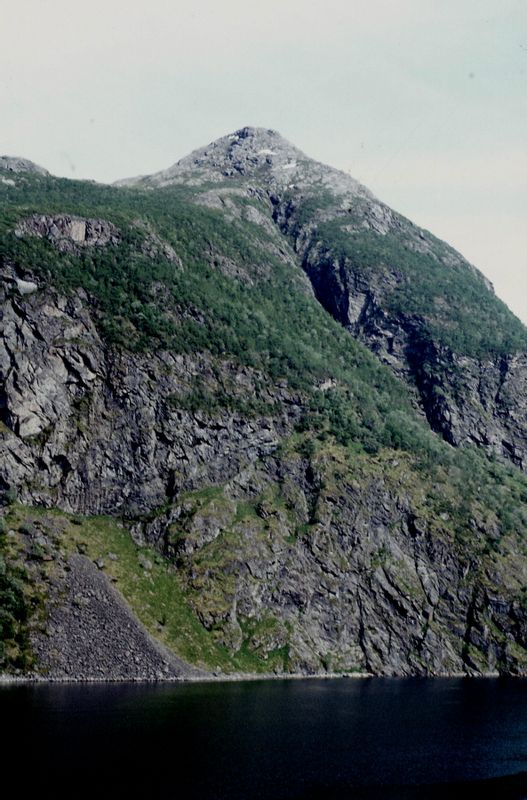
x=424 y=102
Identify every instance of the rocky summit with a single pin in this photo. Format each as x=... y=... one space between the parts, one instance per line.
x=252 y=420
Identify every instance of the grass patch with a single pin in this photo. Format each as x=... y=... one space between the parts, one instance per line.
x=157 y=594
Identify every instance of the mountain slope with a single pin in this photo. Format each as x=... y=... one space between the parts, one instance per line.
x=409 y=297
x=168 y=359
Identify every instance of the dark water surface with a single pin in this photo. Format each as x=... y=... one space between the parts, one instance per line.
x=357 y=739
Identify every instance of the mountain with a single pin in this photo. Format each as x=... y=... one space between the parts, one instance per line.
x=410 y=298
x=252 y=420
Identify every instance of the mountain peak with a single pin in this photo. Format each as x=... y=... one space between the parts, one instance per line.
x=245 y=152
x=16 y=164
x=252 y=132
x=253 y=153
x=253 y=137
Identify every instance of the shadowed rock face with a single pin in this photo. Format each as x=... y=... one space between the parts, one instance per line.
x=367 y=586
x=465 y=399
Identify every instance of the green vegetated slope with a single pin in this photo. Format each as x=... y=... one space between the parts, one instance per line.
x=452 y=300
x=356 y=430
x=17 y=607
x=271 y=323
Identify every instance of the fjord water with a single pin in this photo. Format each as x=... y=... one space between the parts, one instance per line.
x=284 y=739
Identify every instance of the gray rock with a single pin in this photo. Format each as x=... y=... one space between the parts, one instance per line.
x=15 y=164
x=68 y=233
x=255 y=154
x=26 y=287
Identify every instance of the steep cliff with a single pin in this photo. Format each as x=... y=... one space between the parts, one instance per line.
x=276 y=497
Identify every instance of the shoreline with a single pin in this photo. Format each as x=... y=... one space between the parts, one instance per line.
x=6 y=680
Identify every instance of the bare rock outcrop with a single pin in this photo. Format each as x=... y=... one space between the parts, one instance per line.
x=20 y=165
x=69 y=233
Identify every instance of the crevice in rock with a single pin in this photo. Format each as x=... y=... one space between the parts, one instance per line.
x=64 y=464
x=362 y=635
x=312 y=493
x=5 y=416
x=469 y=626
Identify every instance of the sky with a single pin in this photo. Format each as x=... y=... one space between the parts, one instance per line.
x=423 y=101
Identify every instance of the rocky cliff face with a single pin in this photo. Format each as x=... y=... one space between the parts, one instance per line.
x=466 y=399
x=304 y=519
x=334 y=568
x=99 y=431
x=354 y=580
